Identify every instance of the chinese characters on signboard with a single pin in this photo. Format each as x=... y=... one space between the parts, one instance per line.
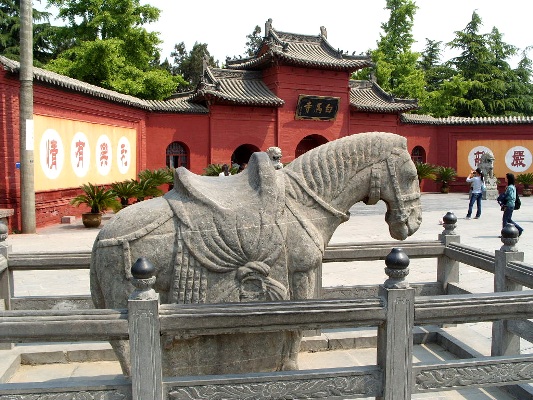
x=74 y=152
x=509 y=156
x=317 y=108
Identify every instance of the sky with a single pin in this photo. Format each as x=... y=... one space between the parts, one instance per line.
x=353 y=25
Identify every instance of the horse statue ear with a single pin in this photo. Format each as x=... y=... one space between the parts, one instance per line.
x=261 y=174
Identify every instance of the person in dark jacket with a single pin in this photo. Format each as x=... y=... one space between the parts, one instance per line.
x=509 y=203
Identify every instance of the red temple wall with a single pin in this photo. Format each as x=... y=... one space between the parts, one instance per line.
x=191 y=130
x=289 y=83
x=51 y=205
x=212 y=138
x=233 y=126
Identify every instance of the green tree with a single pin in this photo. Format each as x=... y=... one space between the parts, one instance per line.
x=435 y=73
x=254 y=41
x=106 y=45
x=191 y=65
x=485 y=84
x=396 y=65
x=43 y=33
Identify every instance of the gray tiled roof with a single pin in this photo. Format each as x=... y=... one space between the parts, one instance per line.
x=300 y=50
x=235 y=87
x=429 y=120
x=52 y=78
x=368 y=96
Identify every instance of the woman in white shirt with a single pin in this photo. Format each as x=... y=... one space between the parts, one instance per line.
x=477 y=181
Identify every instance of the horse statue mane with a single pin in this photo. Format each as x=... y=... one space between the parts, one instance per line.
x=330 y=168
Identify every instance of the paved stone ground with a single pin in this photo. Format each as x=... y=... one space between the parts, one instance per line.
x=366 y=225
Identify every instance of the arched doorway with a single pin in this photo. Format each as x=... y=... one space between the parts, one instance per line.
x=418 y=154
x=309 y=143
x=242 y=154
x=177 y=155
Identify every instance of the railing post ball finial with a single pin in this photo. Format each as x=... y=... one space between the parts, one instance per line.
x=142 y=268
x=509 y=237
x=449 y=218
x=397 y=263
x=143 y=271
x=449 y=221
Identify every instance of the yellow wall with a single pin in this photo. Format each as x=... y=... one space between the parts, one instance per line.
x=509 y=155
x=68 y=153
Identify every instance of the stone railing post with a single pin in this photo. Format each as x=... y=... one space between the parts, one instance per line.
x=395 y=335
x=5 y=275
x=448 y=269
x=505 y=342
x=144 y=333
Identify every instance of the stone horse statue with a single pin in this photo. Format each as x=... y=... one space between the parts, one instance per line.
x=256 y=236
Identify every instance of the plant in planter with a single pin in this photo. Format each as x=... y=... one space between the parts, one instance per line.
x=425 y=171
x=526 y=180
x=159 y=176
x=445 y=175
x=98 y=199
x=125 y=191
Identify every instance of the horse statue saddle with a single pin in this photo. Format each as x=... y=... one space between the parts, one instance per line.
x=257 y=182
x=227 y=222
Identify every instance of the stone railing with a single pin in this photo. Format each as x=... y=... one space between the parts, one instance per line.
x=394 y=307
x=394 y=311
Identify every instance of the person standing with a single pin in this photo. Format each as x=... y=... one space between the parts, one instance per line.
x=225 y=171
x=509 y=203
x=476 y=179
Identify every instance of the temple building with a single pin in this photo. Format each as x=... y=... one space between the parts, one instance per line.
x=294 y=93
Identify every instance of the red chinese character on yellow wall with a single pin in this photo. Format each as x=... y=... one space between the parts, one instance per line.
x=477 y=157
x=51 y=156
x=123 y=154
x=103 y=154
x=518 y=159
x=79 y=152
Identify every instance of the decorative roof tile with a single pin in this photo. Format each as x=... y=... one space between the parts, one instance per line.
x=177 y=105
x=429 y=120
x=235 y=87
x=55 y=79
x=368 y=96
x=300 y=50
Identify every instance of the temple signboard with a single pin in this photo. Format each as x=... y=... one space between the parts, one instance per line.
x=317 y=108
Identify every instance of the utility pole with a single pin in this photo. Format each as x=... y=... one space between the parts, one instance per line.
x=27 y=184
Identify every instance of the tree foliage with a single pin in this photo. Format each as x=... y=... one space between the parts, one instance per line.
x=254 y=41
x=105 y=44
x=43 y=33
x=481 y=81
x=396 y=65
x=191 y=65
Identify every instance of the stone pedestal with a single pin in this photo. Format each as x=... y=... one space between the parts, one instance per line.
x=490 y=194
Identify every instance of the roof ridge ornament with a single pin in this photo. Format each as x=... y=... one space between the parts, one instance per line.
x=323 y=32
x=268 y=27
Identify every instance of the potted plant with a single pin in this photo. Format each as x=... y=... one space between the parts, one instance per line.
x=425 y=171
x=98 y=199
x=445 y=175
x=526 y=180
x=125 y=191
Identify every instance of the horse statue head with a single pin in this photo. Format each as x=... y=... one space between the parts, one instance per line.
x=365 y=167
